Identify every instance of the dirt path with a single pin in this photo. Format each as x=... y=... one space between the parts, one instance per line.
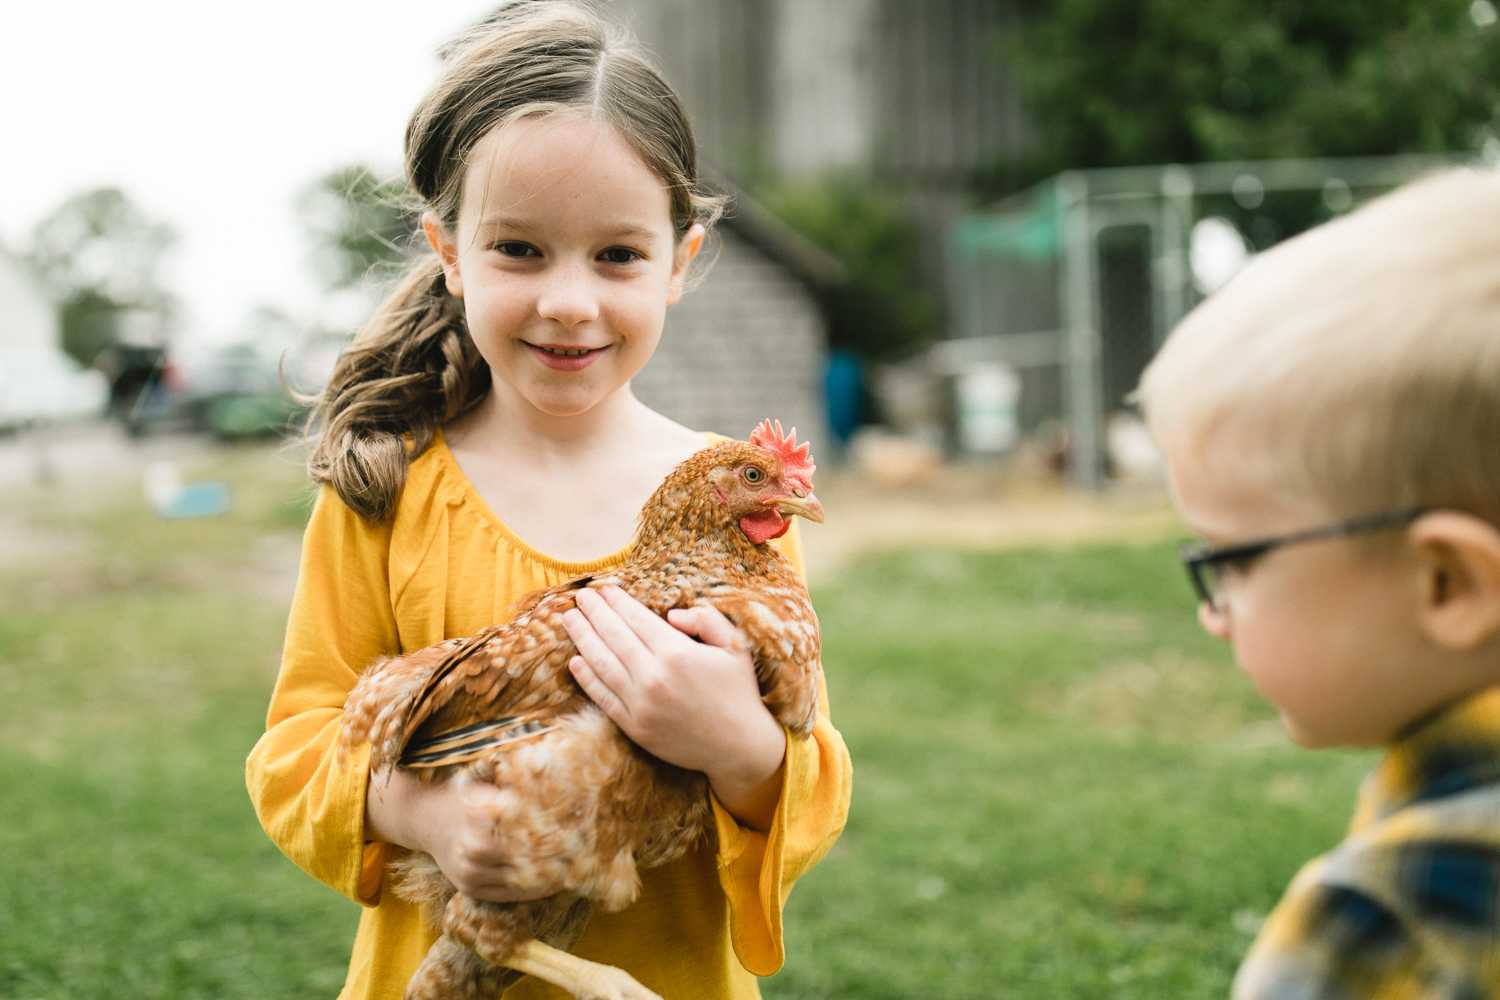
x=90 y=455
x=975 y=508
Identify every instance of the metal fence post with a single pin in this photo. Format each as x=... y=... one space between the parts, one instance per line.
x=1174 y=276
x=1079 y=308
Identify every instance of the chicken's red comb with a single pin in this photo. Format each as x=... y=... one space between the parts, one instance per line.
x=796 y=460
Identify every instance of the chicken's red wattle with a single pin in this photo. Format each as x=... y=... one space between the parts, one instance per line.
x=764 y=525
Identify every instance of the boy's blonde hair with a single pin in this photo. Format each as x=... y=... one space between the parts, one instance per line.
x=1357 y=366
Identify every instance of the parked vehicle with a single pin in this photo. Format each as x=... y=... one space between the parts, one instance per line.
x=232 y=392
x=140 y=384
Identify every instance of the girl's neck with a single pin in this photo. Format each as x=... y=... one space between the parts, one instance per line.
x=569 y=486
x=500 y=424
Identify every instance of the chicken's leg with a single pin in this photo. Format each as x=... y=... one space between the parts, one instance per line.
x=500 y=936
x=584 y=979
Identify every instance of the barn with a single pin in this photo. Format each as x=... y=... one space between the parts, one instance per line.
x=38 y=382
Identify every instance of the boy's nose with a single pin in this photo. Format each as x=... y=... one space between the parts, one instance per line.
x=567 y=298
x=1215 y=621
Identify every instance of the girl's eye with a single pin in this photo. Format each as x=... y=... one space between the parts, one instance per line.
x=754 y=475
x=619 y=255
x=515 y=248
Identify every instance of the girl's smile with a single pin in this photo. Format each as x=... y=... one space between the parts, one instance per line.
x=565 y=359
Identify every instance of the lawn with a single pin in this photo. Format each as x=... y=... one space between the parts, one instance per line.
x=1062 y=788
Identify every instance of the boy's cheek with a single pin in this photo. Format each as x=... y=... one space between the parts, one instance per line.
x=1298 y=733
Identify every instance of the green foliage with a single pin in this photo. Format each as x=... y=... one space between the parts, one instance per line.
x=90 y=322
x=1116 y=82
x=359 y=224
x=883 y=311
x=98 y=256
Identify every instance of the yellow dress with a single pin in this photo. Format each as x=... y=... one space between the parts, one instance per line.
x=703 y=927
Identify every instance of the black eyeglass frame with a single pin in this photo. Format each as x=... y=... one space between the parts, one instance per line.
x=1202 y=559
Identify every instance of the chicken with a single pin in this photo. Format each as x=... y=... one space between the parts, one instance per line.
x=584 y=807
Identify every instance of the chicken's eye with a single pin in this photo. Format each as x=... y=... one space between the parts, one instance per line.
x=754 y=475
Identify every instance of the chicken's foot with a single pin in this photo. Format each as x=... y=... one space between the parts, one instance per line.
x=584 y=979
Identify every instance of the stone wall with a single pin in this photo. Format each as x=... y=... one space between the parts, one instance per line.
x=746 y=344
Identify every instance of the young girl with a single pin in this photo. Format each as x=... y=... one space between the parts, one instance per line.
x=478 y=441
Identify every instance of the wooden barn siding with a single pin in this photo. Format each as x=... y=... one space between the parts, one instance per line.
x=825 y=107
x=948 y=106
x=911 y=88
x=746 y=344
x=714 y=54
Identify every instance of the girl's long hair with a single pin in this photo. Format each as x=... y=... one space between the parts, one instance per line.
x=414 y=366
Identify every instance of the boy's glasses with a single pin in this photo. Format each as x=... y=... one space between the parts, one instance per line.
x=1206 y=565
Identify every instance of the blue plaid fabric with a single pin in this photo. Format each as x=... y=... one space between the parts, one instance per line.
x=1407 y=907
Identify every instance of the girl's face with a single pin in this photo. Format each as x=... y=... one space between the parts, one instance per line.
x=566 y=260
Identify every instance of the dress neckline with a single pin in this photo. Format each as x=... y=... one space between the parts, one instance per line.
x=568 y=567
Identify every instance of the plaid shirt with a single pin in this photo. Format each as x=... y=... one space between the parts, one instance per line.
x=1408 y=905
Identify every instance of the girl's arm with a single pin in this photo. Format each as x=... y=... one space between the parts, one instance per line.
x=322 y=808
x=309 y=798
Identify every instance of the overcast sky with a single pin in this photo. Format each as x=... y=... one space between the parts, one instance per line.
x=213 y=118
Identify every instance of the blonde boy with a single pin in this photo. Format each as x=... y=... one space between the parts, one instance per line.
x=1331 y=420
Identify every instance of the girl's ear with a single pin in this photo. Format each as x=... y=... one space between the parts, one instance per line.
x=442 y=245
x=687 y=249
x=1459 y=558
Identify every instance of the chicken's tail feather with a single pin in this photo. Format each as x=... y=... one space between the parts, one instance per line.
x=459 y=746
x=420 y=707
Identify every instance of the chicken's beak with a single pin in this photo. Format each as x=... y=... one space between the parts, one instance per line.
x=808 y=506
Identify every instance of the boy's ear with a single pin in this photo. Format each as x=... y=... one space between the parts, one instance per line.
x=442 y=245
x=1459 y=558
x=687 y=249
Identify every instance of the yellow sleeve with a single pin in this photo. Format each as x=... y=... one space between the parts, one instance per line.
x=757 y=869
x=309 y=800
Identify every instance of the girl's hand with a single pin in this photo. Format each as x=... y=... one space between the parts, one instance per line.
x=457 y=823
x=692 y=703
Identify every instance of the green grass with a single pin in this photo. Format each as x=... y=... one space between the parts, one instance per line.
x=1062 y=788
x=136 y=658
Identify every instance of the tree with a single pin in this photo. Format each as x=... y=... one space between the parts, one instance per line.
x=98 y=256
x=1117 y=82
x=882 y=312
x=359 y=224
